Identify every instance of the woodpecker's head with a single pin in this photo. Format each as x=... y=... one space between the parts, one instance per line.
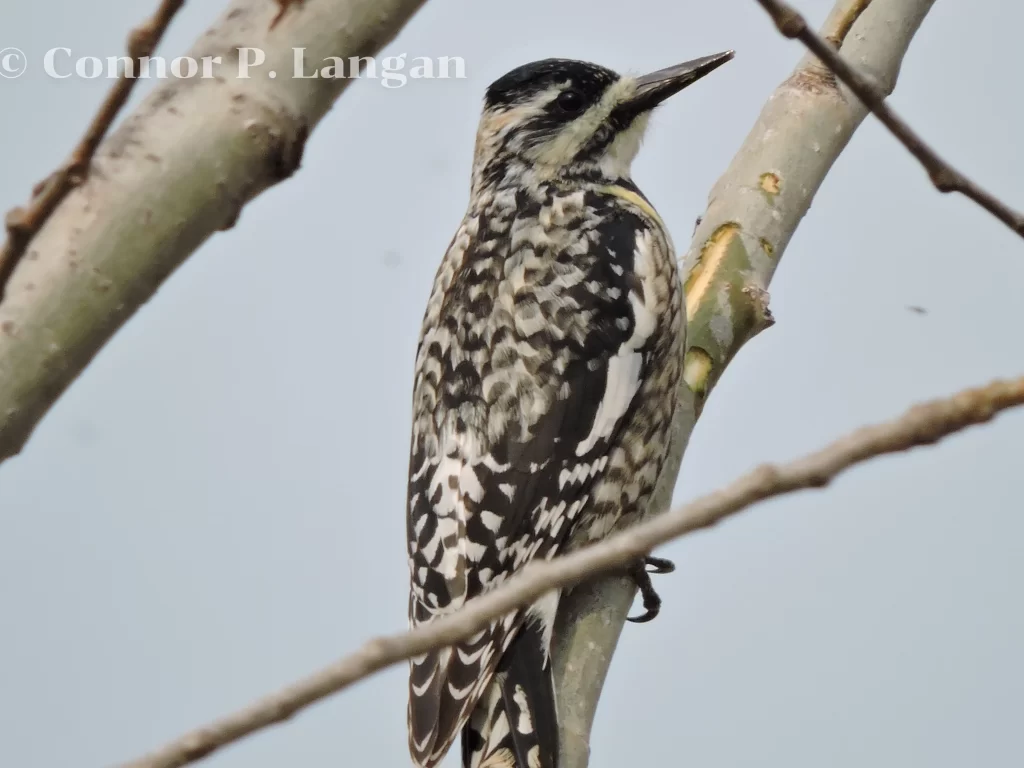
x=559 y=117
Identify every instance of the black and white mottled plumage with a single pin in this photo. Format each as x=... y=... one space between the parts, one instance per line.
x=545 y=385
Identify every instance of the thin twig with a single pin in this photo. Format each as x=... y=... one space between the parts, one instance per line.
x=23 y=223
x=945 y=177
x=922 y=425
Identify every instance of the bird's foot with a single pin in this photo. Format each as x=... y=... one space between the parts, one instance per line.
x=641 y=573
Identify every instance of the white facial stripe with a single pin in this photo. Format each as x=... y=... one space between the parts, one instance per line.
x=563 y=147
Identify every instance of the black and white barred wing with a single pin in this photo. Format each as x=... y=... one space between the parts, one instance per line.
x=513 y=452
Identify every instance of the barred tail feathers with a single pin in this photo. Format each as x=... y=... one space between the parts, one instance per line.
x=515 y=724
x=444 y=688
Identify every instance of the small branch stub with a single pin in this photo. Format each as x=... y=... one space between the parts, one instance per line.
x=759 y=300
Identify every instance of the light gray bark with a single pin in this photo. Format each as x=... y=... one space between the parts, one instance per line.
x=179 y=169
x=753 y=211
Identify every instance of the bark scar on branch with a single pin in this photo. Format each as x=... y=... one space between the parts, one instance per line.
x=283 y=6
x=23 y=223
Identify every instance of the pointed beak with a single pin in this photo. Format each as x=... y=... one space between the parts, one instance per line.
x=654 y=88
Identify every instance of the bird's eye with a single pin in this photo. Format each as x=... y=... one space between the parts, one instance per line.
x=570 y=101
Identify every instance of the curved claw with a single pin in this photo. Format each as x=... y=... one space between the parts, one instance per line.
x=650 y=612
x=659 y=565
x=641 y=573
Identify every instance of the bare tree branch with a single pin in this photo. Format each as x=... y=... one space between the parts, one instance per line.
x=753 y=210
x=945 y=177
x=924 y=424
x=180 y=168
x=23 y=223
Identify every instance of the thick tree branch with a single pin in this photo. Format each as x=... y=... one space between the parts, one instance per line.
x=945 y=177
x=753 y=210
x=179 y=169
x=922 y=425
x=23 y=223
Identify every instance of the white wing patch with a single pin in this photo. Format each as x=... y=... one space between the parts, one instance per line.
x=626 y=365
x=621 y=384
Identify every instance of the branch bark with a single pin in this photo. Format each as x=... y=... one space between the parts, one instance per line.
x=922 y=425
x=753 y=210
x=943 y=176
x=180 y=168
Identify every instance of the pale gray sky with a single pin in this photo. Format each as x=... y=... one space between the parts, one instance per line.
x=216 y=506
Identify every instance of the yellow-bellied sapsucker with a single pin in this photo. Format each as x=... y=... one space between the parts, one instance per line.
x=545 y=387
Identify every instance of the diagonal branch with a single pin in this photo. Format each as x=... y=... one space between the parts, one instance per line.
x=753 y=211
x=23 y=223
x=945 y=177
x=178 y=169
x=922 y=425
